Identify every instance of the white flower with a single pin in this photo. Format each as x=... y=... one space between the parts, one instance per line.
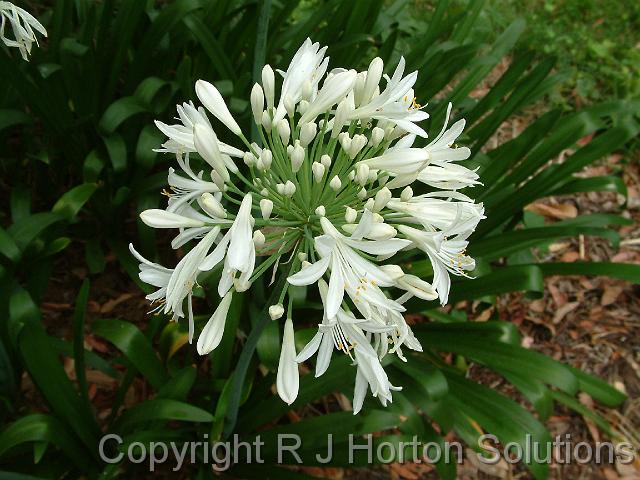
x=155 y=275
x=287 y=378
x=333 y=90
x=452 y=217
x=334 y=147
x=23 y=25
x=238 y=251
x=307 y=66
x=350 y=272
x=181 y=135
x=183 y=278
x=396 y=104
x=446 y=256
x=370 y=374
x=211 y=334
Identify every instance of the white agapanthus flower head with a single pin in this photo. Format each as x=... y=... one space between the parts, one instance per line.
x=22 y=24
x=327 y=196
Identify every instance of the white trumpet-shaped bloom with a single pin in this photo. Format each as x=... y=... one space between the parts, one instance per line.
x=24 y=27
x=327 y=198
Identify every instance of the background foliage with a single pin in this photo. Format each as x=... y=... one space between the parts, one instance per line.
x=78 y=165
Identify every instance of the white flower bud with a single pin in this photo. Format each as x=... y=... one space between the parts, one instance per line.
x=321 y=211
x=335 y=183
x=377 y=135
x=369 y=204
x=373 y=174
x=280 y=188
x=276 y=311
x=303 y=106
x=289 y=106
x=213 y=101
x=358 y=88
x=350 y=215
x=374 y=74
x=258 y=238
x=357 y=144
x=249 y=159
x=218 y=180
x=264 y=192
x=206 y=144
x=325 y=160
x=212 y=206
x=382 y=198
x=307 y=133
x=284 y=131
x=257 y=103
x=266 y=157
x=362 y=194
x=266 y=121
x=318 y=171
x=288 y=377
x=302 y=256
x=362 y=174
x=266 y=207
x=406 y=194
x=345 y=141
x=297 y=157
x=343 y=110
x=377 y=218
x=268 y=83
x=289 y=188
x=381 y=231
x=394 y=271
x=352 y=175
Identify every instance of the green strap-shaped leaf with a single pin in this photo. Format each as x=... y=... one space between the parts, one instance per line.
x=211 y=46
x=69 y=204
x=599 y=390
x=505 y=244
x=509 y=358
x=161 y=409
x=11 y=118
x=623 y=271
x=135 y=346
x=27 y=229
x=608 y=183
x=500 y=416
x=45 y=428
x=78 y=339
x=586 y=412
x=47 y=373
x=8 y=246
x=120 y=111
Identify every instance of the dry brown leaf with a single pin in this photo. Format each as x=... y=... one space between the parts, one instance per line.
x=538 y=306
x=570 y=257
x=610 y=294
x=563 y=311
x=500 y=469
x=111 y=304
x=561 y=211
